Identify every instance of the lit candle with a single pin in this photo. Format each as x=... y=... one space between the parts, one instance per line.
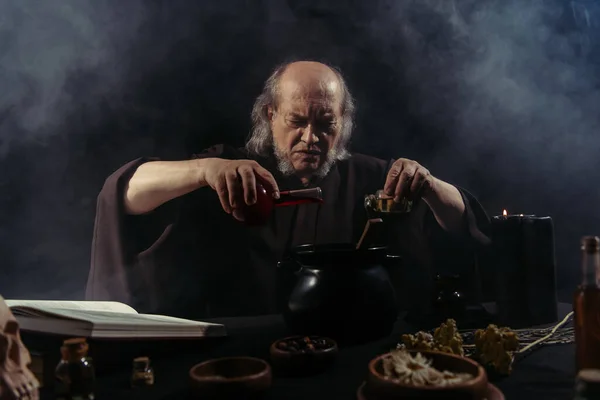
x=525 y=269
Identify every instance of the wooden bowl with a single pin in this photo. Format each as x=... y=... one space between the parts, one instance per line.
x=231 y=378
x=493 y=393
x=380 y=387
x=291 y=362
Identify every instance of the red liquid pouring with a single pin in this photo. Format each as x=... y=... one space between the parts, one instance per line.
x=260 y=212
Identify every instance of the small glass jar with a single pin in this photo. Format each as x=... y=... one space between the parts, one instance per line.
x=75 y=375
x=379 y=204
x=143 y=374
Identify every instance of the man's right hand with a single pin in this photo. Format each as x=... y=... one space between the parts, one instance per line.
x=235 y=182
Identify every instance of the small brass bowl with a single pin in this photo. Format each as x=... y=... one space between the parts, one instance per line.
x=379 y=203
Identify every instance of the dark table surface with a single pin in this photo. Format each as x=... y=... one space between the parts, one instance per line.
x=547 y=373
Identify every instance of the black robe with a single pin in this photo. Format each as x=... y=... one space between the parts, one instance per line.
x=189 y=258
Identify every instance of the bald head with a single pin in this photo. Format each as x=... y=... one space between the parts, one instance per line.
x=309 y=69
x=304 y=80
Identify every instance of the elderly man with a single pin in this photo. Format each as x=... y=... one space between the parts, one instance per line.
x=168 y=236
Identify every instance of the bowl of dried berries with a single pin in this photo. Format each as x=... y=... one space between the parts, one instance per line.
x=303 y=355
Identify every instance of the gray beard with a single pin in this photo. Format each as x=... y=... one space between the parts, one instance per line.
x=287 y=169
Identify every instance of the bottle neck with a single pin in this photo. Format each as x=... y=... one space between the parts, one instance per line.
x=301 y=196
x=72 y=357
x=591 y=269
x=74 y=352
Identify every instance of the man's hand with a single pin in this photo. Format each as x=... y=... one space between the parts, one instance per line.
x=408 y=179
x=235 y=182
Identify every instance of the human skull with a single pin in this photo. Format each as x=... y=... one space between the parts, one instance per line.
x=16 y=380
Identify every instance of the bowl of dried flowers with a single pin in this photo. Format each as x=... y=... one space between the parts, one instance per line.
x=425 y=374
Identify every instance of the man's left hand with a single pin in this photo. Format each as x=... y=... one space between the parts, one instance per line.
x=408 y=179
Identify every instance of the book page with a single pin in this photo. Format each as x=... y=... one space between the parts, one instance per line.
x=46 y=305
x=114 y=320
x=106 y=319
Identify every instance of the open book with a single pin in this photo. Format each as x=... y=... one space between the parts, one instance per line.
x=105 y=320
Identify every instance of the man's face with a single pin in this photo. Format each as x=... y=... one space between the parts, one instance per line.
x=306 y=124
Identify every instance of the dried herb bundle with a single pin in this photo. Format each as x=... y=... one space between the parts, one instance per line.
x=494 y=347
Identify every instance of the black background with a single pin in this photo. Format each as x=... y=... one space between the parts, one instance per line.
x=500 y=97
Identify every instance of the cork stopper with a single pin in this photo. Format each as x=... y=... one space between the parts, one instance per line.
x=141 y=362
x=73 y=349
x=74 y=342
x=588 y=382
x=590 y=244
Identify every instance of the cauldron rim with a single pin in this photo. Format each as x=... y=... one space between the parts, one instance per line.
x=334 y=247
x=334 y=254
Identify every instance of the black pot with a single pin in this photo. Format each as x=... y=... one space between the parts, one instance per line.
x=338 y=291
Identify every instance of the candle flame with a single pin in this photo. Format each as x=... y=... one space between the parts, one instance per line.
x=504 y=213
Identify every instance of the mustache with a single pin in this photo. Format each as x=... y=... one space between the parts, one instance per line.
x=310 y=150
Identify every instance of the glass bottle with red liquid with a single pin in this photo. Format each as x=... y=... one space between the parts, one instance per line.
x=586 y=307
x=260 y=212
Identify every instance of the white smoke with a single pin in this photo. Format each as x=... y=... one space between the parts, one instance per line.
x=44 y=44
x=511 y=89
x=513 y=81
x=533 y=82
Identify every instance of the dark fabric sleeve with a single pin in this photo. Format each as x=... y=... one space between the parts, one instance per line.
x=428 y=250
x=122 y=242
x=460 y=254
x=457 y=249
x=112 y=246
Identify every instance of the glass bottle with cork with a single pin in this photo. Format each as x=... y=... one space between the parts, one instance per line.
x=74 y=373
x=586 y=307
